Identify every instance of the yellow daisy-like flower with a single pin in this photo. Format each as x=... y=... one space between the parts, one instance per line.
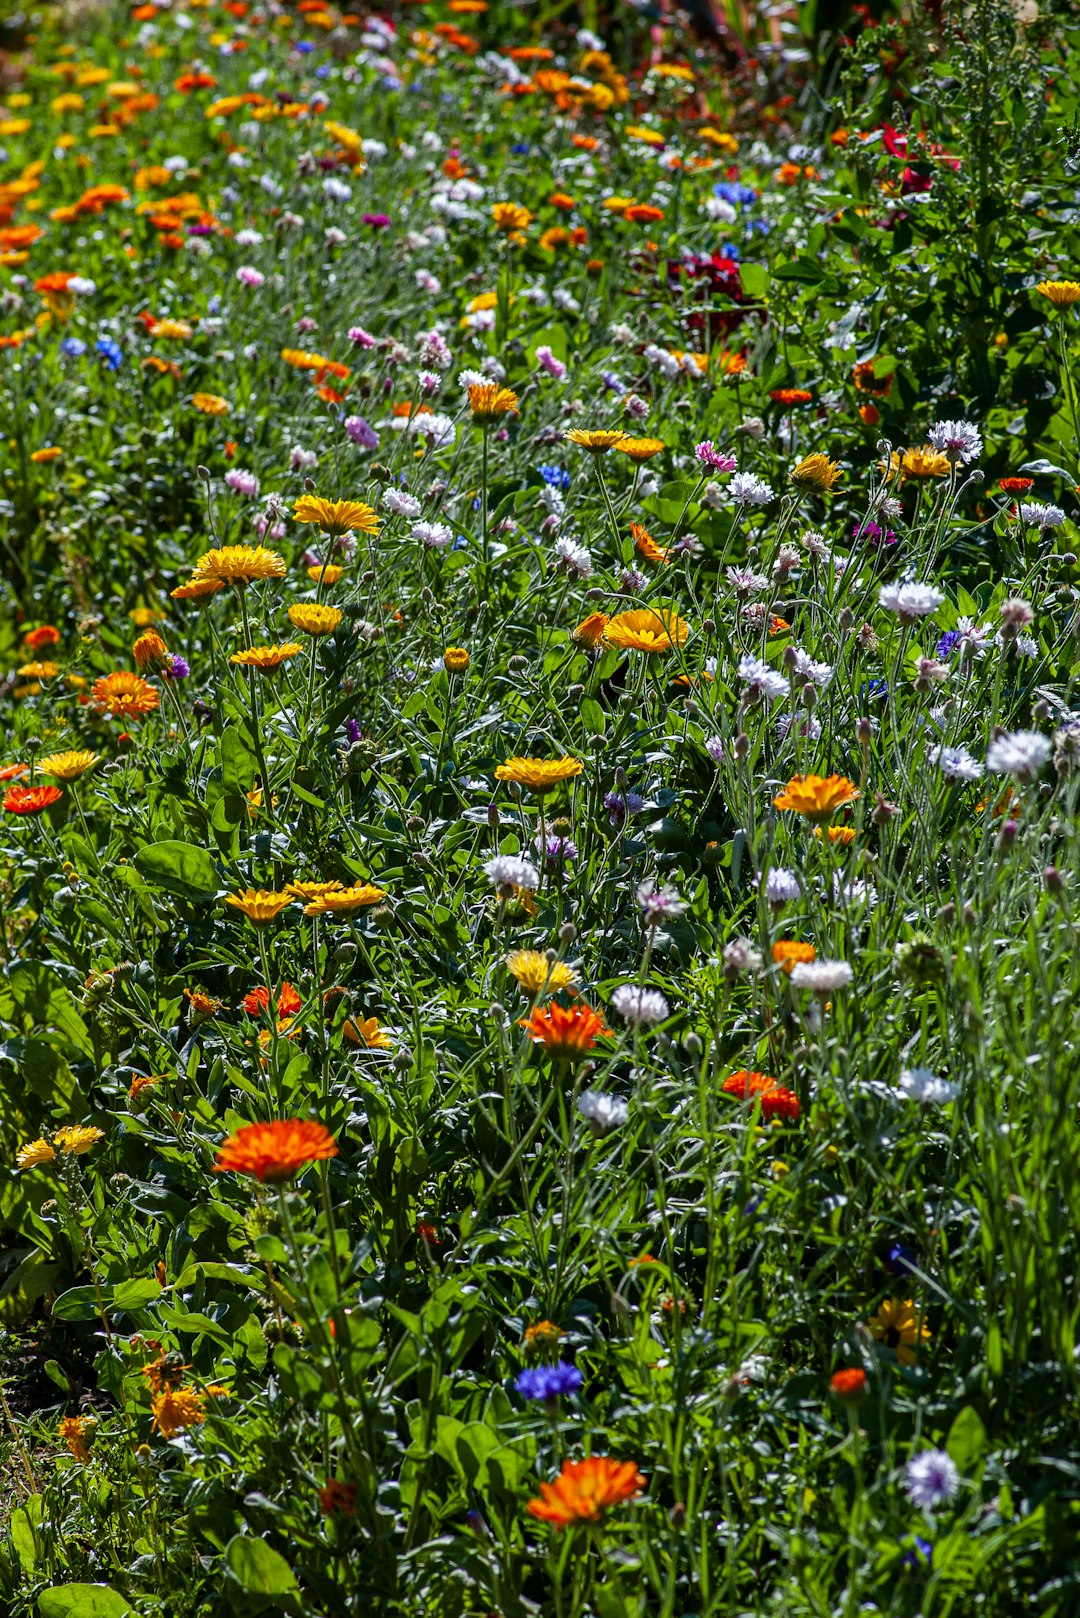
x=590 y=632
x=336 y=516
x=42 y=457
x=344 y=901
x=68 y=766
x=39 y=671
x=817 y=797
x=196 y=590
x=177 y=1408
x=488 y=402
x=259 y=905
x=898 y=1326
x=816 y=474
x=365 y=1033
x=597 y=440
x=455 y=660
x=537 y=975
x=325 y=573
x=640 y=449
x=1062 y=294
x=170 y=328
x=75 y=1432
x=74 y=1140
x=238 y=564
x=647 y=629
x=313 y=619
x=920 y=464
x=267 y=658
x=510 y=216
x=539 y=775
x=312 y=890
x=35 y=1155
x=211 y=404
x=150 y=652
x=124 y=695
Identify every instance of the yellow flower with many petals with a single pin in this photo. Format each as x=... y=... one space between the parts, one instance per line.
x=918 y=464
x=312 y=890
x=150 y=652
x=325 y=573
x=364 y=1032
x=211 y=404
x=647 y=629
x=124 y=695
x=336 y=516
x=539 y=775
x=74 y=1140
x=640 y=449
x=898 y=1324
x=238 y=564
x=537 y=975
x=590 y=632
x=267 y=658
x=313 y=619
x=597 y=440
x=343 y=901
x=35 y=1155
x=817 y=797
x=68 y=766
x=1062 y=294
x=177 y=1408
x=815 y=474
x=488 y=402
x=455 y=660
x=259 y=905
x=510 y=216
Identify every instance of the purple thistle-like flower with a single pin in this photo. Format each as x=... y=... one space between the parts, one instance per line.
x=547 y=1382
x=352 y=730
x=874 y=533
x=715 y=459
x=361 y=433
x=948 y=643
x=377 y=221
x=180 y=667
x=558 y=851
x=621 y=804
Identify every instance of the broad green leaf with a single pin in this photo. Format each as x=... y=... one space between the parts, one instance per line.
x=179 y=868
x=136 y=1294
x=967 y=1442
x=82 y=1601
x=755 y=279
x=257 y=1567
x=237 y=764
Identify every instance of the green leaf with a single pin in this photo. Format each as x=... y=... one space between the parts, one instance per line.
x=82 y=1601
x=21 y=1526
x=967 y=1442
x=237 y=764
x=755 y=279
x=592 y=716
x=806 y=270
x=55 y=1374
x=256 y=1567
x=179 y=868
x=78 y=1303
x=136 y=1294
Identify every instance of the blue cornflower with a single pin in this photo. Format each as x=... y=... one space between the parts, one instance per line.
x=73 y=347
x=948 y=643
x=920 y=1553
x=557 y=476
x=521 y=148
x=352 y=730
x=735 y=192
x=729 y=250
x=111 y=352
x=613 y=382
x=323 y=70
x=304 y=46
x=900 y=1259
x=548 y=1381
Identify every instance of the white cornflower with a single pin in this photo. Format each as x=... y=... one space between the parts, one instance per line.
x=761 y=680
x=715 y=749
x=640 y=1007
x=782 y=886
x=746 y=489
x=509 y=871
x=1036 y=515
x=807 y=669
x=931 y=1479
x=602 y=1112
x=575 y=558
x=658 y=904
x=955 y=762
x=400 y=504
x=745 y=582
x=910 y=601
x=855 y=892
x=974 y=638
x=821 y=977
x=959 y=440
x=434 y=536
x=740 y=956
x=919 y=1084
x=665 y=363
x=1021 y=753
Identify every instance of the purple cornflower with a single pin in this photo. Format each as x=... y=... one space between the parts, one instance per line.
x=919 y=1554
x=352 y=730
x=179 y=668
x=242 y=482
x=377 y=221
x=948 y=643
x=361 y=433
x=715 y=459
x=558 y=851
x=621 y=804
x=875 y=534
x=547 y=1382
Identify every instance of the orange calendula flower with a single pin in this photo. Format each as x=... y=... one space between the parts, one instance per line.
x=338 y=901
x=540 y=775
x=590 y=632
x=150 y=652
x=597 y=440
x=211 y=404
x=201 y=1003
x=36 y=640
x=325 y=573
x=176 y=1409
x=238 y=564
x=272 y=1153
x=42 y=456
x=259 y=905
x=849 y=1385
x=456 y=660
x=336 y=516
x=647 y=629
x=365 y=1033
x=1062 y=294
x=788 y=952
x=790 y=396
x=124 y=695
x=267 y=658
x=776 y=1101
x=19 y=800
x=585 y=1490
x=898 y=1325
x=646 y=546
x=643 y=213
x=315 y=620
x=543 y=1335
x=817 y=797
x=77 y=1433
x=488 y=402
x=640 y=449
x=196 y=590
x=565 y=1034
x=510 y=216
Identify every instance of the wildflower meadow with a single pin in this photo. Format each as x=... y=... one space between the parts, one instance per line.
x=539 y=641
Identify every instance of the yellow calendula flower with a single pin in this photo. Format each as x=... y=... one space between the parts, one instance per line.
x=455 y=660
x=640 y=449
x=312 y=890
x=918 y=464
x=68 y=766
x=267 y=658
x=74 y=1140
x=177 y=1408
x=816 y=474
x=1062 y=294
x=77 y=1433
x=537 y=975
x=211 y=404
x=38 y=670
x=150 y=652
x=238 y=564
x=597 y=440
x=259 y=905
x=170 y=328
x=510 y=216
x=325 y=573
x=313 y=619
x=196 y=590
x=647 y=629
x=539 y=775
x=35 y=1155
x=488 y=402
x=336 y=516
x=344 y=901
x=817 y=797
x=590 y=632
x=365 y=1033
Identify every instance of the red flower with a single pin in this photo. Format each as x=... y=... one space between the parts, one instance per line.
x=338 y=1496
x=1016 y=485
x=275 y=1151
x=288 y=1005
x=849 y=1386
x=30 y=800
x=776 y=1101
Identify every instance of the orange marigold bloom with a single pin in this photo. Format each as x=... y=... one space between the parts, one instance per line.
x=640 y=449
x=643 y=213
x=646 y=546
x=211 y=404
x=590 y=632
x=488 y=402
x=776 y=1101
x=20 y=800
x=274 y=1152
x=788 y=952
x=257 y=1001
x=510 y=216
x=565 y=1034
x=196 y=590
x=75 y=1431
x=177 y=1408
x=647 y=629
x=35 y=640
x=790 y=396
x=541 y=1335
x=124 y=695
x=336 y=1496
x=584 y=1490
x=849 y=1385
x=336 y=516
x=597 y=440
x=150 y=651
x=817 y=797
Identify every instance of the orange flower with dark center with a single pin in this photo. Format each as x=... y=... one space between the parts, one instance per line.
x=20 y=800
x=124 y=695
x=565 y=1034
x=776 y=1101
x=788 y=952
x=584 y=1490
x=274 y=1152
x=817 y=797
